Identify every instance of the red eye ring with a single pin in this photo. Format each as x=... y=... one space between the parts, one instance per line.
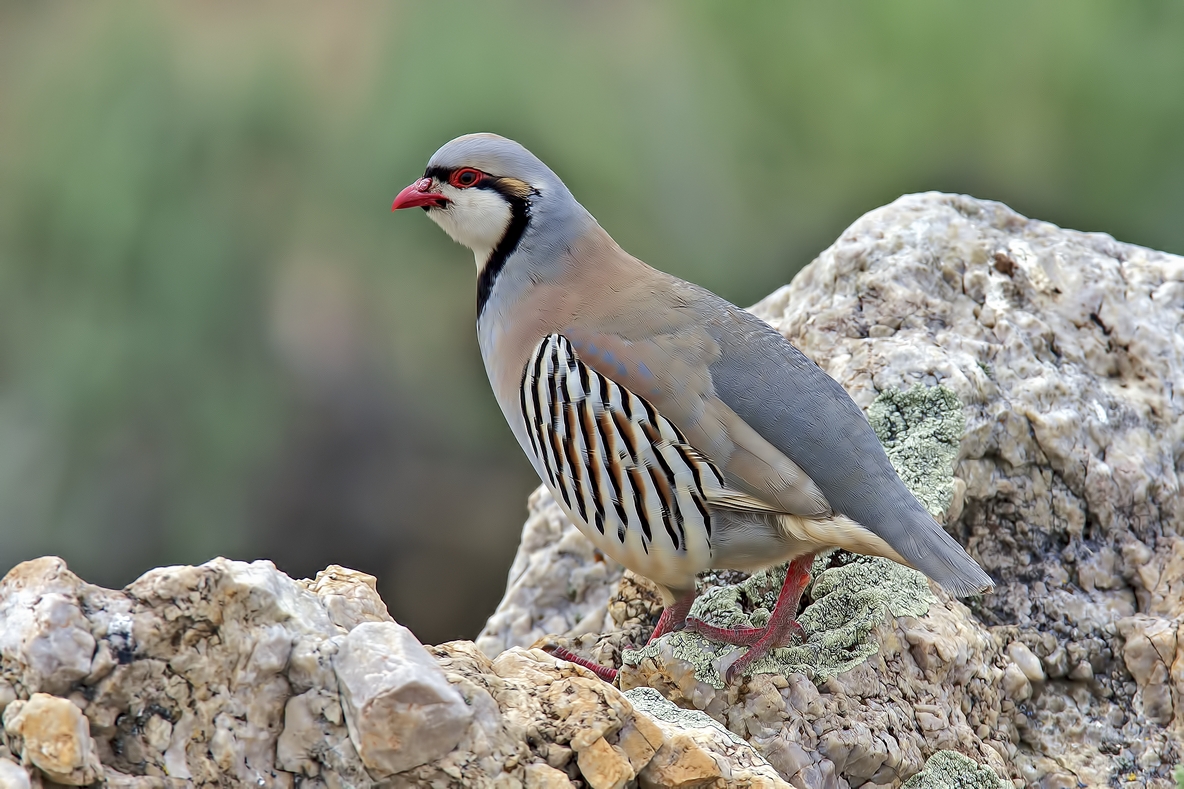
x=465 y=177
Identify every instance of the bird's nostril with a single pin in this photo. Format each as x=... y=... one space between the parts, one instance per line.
x=423 y=184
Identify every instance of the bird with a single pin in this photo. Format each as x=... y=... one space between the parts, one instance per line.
x=678 y=432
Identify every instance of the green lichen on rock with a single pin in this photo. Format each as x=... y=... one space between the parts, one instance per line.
x=851 y=595
x=921 y=430
x=952 y=770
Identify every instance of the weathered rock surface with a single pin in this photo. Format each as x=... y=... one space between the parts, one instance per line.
x=1066 y=353
x=1044 y=366
x=233 y=674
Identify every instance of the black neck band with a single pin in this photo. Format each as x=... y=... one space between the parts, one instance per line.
x=519 y=219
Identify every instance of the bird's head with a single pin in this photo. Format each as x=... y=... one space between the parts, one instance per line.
x=484 y=190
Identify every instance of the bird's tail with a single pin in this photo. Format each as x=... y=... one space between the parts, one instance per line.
x=939 y=555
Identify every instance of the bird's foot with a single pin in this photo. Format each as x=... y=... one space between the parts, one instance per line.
x=604 y=672
x=782 y=629
x=758 y=650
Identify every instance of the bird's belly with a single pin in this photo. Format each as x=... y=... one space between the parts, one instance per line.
x=629 y=545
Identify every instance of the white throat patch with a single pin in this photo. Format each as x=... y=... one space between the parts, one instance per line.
x=477 y=218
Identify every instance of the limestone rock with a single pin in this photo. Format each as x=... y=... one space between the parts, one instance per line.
x=698 y=751
x=13 y=776
x=952 y=770
x=45 y=631
x=233 y=674
x=53 y=735
x=189 y=673
x=1066 y=353
x=1044 y=366
x=400 y=709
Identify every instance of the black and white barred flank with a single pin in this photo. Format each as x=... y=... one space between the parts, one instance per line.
x=617 y=464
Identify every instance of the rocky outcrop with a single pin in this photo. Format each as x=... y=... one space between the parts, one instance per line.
x=1028 y=383
x=233 y=674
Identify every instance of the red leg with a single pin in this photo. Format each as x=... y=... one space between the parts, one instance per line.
x=604 y=672
x=672 y=617
x=737 y=636
x=782 y=627
x=783 y=624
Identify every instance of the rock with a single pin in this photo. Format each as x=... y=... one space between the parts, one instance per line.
x=1042 y=366
x=45 y=631
x=542 y=776
x=1015 y=684
x=603 y=766
x=189 y=670
x=399 y=707
x=698 y=751
x=350 y=597
x=1025 y=659
x=13 y=776
x=54 y=736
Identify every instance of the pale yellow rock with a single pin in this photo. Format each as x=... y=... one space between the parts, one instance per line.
x=1015 y=684
x=682 y=762
x=13 y=776
x=639 y=739
x=1027 y=661
x=603 y=766
x=349 y=596
x=698 y=751
x=56 y=739
x=542 y=776
x=400 y=709
x=585 y=709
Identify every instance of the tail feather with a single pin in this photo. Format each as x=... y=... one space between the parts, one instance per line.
x=925 y=546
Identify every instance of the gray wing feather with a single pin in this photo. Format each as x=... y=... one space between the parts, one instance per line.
x=806 y=414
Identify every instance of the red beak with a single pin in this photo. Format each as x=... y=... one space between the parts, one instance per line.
x=418 y=196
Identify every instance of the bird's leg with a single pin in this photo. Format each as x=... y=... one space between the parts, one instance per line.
x=673 y=616
x=672 y=619
x=604 y=672
x=782 y=625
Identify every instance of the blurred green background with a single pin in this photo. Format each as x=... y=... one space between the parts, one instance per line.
x=215 y=338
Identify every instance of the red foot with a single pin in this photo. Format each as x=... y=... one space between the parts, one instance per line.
x=781 y=630
x=782 y=627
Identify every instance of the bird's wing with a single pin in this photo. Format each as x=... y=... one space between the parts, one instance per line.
x=792 y=403
x=765 y=414
x=620 y=468
x=671 y=371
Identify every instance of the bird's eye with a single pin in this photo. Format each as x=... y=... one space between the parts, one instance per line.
x=465 y=177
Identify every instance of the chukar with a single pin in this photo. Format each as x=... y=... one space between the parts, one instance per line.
x=676 y=430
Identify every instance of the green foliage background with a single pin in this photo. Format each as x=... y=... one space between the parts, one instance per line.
x=216 y=339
